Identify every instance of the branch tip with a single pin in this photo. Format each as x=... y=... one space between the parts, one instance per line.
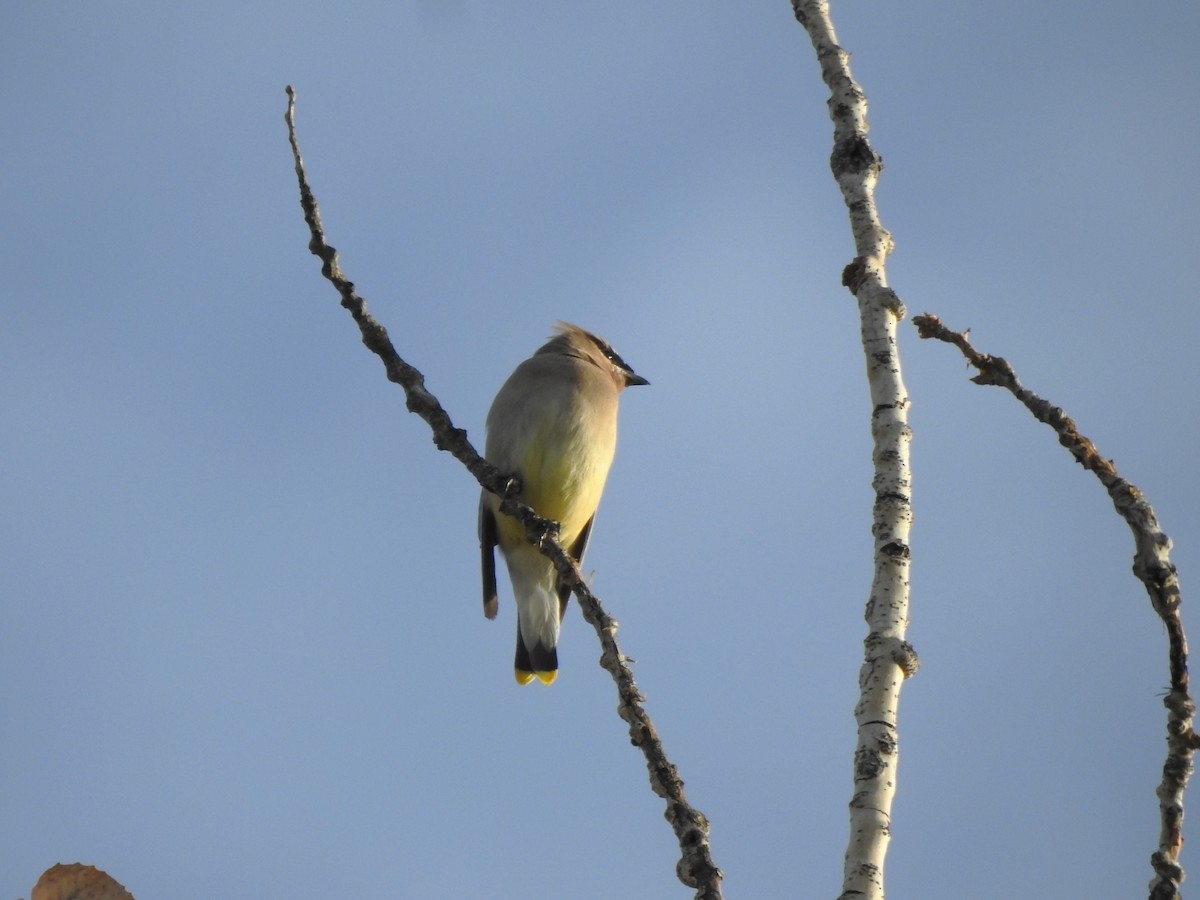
x=696 y=858
x=1151 y=565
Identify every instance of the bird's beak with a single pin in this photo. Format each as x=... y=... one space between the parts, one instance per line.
x=632 y=378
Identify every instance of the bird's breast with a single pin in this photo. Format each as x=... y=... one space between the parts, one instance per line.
x=563 y=474
x=558 y=434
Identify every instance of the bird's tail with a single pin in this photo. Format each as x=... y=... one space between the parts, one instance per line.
x=539 y=661
x=539 y=615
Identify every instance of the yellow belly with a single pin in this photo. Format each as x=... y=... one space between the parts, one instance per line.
x=562 y=480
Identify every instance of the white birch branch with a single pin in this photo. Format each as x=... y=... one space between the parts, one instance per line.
x=889 y=657
x=695 y=868
x=1152 y=565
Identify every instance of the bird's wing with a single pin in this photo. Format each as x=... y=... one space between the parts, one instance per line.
x=487 y=555
x=576 y=550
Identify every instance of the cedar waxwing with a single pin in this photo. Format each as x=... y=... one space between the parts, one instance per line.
x=554 y=426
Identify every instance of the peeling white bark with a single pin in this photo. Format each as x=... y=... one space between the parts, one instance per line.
x=889 y=659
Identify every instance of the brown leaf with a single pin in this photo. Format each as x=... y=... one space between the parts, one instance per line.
x=75 y=881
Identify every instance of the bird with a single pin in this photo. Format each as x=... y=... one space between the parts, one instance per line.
x=553 y=425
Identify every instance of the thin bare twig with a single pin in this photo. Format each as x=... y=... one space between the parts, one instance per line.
x=1151 y=564
x=695 y=868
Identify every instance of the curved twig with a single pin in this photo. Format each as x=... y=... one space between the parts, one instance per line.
x=695 y=868
x=1151 y=564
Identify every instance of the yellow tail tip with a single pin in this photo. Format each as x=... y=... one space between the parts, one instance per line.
x=524 y=677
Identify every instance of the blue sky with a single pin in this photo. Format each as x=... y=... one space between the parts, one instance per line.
x=241 y=645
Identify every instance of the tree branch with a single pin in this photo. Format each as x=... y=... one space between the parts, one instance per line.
x=695 y=868
x=1151 y=564
x=889 y=657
